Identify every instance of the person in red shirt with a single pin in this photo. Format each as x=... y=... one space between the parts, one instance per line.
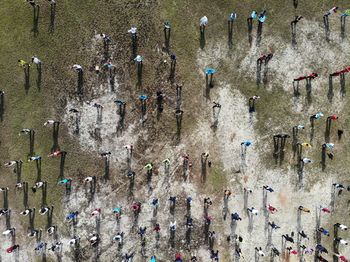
x=271 y=209
x=325 y=209
x=333 y=117
x=11 y=249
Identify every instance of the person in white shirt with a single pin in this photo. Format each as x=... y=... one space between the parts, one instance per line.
x=203 y=22
x=341 y=226
x=253 y=210
x=77 y=68
x=36 y=60
x=9 y=231
x=133 y=31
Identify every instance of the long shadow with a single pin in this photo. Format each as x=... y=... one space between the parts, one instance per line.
x=44 y=194
x=52 y=17
x=2 y=105
x=342 y=27
x=202 y=38
x=326 y=27
x=230 y=34
x=38 y=80
x=258 y=72
x=62 y=161
x=55 y=146
x=38 y=170
x=26 y=78
x=259 y=33
x=36 y=14
x=342 y=85
x=330 y=94
x=250 y=30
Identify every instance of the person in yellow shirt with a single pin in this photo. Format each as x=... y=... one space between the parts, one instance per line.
x=23 y=63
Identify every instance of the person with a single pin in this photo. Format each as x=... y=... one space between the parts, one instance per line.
x=26 y=212
x=227 y=193
x=342 y=258
x=331 y=11
x=153 y=259
x=105 y=38
x=323 y=231
x=40 y=247
x=259 y=251
x=51 y=230
x=321 y=249
x=288 y=238
x=96 y=212
x=142 y=231
x=341 y=226
x=148 y=166
x=304 y=209
x=317 y=115
x=235 y=216
x=214 y=255
x=12 y=248
x=248 y=190
x=52 y=2
x=246 y=143
x=341 y=241
x=189 y=222
x=296 y=19
x=271 y=209
x=4 y=211
x=94 y=239
x=77 y=68
x=71 y=216
x=10 y=231
x=189 y=200
x=167 y=25
x=37 y=186
x=262 y=17
x=172 y=226
x=133 y=31
x=306 y=160
x=136 y=207
x=232 y=17
x=154 y=202
x=56 y=247
x=166 y=162
x=89 y=179
x=307 y=145
x=34 y=158
x=119 y=237
x=178 y=257
x=325 y=209
x=23 y=63
x=43 y=210
x=36 y=60
x=117 y=211
x=253 y=15
x=303 y=235
x=105 y=154
x=338 y=186
x=33 y=233
x=253 y=210
x=138 y=59
x=56 y=153
x=65 y=181
x=203 y=22
x=207 y=202
x=273 y=225
x=268 y=188
x=74 y=240
x=157 y=228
